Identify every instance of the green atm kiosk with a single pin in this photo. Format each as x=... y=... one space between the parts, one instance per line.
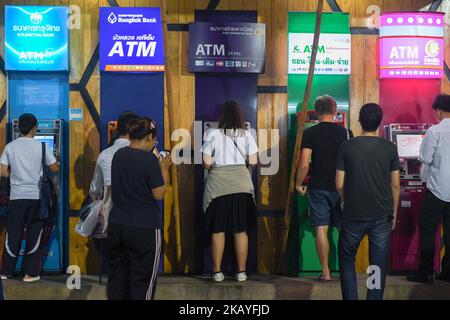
x=331 y=77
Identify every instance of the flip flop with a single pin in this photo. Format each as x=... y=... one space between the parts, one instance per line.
x=321 y=279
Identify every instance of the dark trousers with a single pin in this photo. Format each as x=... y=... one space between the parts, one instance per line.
x=21 y=213
x=1 y=290
x=351 y=234
x=133 y=262
x=433 y=211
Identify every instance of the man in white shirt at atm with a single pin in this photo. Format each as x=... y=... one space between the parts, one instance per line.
x=22 y=162
x=101 y=182
x=435 y=158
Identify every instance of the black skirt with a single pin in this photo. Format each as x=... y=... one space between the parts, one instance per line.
x=232 y=213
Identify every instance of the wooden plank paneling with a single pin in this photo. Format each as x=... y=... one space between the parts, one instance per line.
x=265 y=11
x=186 y=113
x=280 y=23
x=272 y=108
x=356 y=82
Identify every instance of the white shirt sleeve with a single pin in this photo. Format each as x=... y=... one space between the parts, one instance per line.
x=208 y=143
x=428 y=148
x=424 y=172
x=4 y=159
x=97 y=183
x=49 y=157
x=252 y=146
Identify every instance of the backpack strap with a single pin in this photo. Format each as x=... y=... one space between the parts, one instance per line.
x=44 y=165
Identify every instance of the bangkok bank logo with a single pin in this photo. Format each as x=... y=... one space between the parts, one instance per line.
x=432 y=48
x=36 y=18
x=112 y=18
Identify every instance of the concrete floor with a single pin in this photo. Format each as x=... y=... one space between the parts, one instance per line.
x=258 y=287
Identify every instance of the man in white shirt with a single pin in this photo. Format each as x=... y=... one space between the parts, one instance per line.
x=22 y=162
x=435 y=158
x=101 y=182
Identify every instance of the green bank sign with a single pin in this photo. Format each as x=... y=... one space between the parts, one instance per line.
x=333 y=55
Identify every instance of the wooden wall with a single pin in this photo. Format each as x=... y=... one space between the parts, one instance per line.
x=272 y=108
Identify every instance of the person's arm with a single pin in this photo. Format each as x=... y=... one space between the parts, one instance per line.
x=54 y=167
x=340 y=181
x=50 y=160
x=97 y=183
x=164 y=165
x=395 y=182
x=208 y=161
x=252 y=149
x=207 y=150
x=340 y=171
x=395 y=187
x=4 y=163
x=302 y=172
x=253 y=160
x=428 y=148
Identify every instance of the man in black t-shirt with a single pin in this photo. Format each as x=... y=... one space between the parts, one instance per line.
x=320 y=144
x=368 y=179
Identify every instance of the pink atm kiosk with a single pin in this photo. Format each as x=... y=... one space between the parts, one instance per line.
x=411 y=46
x=405 y=239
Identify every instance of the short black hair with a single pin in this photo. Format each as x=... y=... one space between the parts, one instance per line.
x=140 y=128
x=27 y=122
x=325 y=105
x=442 y=102
x=370 y=116
x=122 y=122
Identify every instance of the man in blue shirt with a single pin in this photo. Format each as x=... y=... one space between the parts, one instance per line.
x=435 y=158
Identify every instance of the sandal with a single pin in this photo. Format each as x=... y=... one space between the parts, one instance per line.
x=322 y=279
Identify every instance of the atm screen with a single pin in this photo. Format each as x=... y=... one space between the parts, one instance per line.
x=49 y=140
x=409 y=145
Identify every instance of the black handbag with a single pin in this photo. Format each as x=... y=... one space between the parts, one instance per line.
x=48 y=192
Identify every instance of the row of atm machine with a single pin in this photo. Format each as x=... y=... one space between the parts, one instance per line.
x=405 y=248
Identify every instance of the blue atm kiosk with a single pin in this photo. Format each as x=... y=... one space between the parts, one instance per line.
x=50 y=132
x=37 y=64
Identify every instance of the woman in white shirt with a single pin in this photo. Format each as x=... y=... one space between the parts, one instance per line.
x=228 y=200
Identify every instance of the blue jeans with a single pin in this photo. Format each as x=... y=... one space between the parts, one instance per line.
x=351 y=235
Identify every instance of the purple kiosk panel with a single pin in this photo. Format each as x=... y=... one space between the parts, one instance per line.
x=212 y=90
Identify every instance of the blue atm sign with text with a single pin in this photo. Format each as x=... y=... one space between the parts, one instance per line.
x=36 y=38
x=131 y=40
x=227 y=47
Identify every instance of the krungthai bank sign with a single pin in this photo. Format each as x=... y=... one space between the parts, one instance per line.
x=36 y=38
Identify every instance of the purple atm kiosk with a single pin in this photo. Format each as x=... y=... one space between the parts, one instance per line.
x=405 y=248
x=226 y=64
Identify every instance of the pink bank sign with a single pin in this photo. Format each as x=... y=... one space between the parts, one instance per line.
x=411 y=57
x=411 y=45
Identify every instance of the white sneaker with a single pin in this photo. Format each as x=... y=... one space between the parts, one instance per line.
x=218 y=277
x=241 y=276
x=5 y=277
x=32 y=279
